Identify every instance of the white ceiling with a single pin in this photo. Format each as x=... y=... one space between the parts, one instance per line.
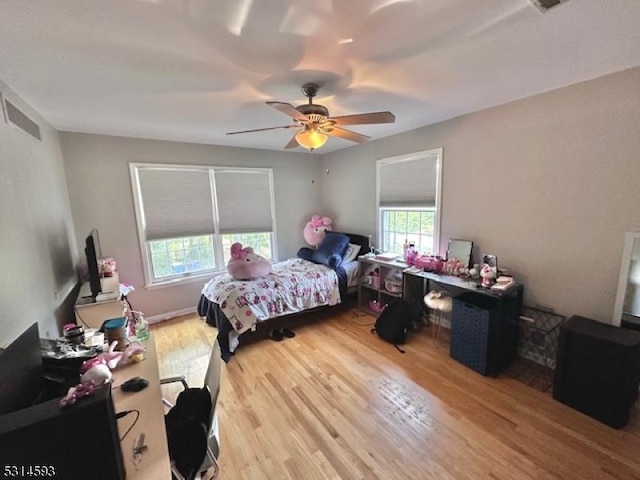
x=191 y=70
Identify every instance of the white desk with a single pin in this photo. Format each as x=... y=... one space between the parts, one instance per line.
x=153 y=464
x=92 y=313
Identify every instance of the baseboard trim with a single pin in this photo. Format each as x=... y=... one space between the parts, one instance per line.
x=169 y=315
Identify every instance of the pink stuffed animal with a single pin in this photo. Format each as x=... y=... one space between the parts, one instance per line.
x=488 y=275
x=245 y=264
x=98 y=369
x=315 y=229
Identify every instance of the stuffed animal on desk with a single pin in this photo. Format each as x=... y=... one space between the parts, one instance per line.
x=93 y=373
x=97 y=371
x=488 y=274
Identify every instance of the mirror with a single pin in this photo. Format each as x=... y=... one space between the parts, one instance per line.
x=461 y=250
x=626 y=311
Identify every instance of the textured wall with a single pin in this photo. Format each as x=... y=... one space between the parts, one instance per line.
x=37 y=241
x=549 y=184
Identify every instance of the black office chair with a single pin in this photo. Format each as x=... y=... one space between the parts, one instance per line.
x=187 y=437
x=193 y=432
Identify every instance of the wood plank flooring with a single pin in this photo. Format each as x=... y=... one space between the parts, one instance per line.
x=335 y=402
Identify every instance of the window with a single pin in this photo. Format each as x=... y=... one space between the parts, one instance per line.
x=409 y=201
x=413 y=225
x=181 y=255
x=188 y=217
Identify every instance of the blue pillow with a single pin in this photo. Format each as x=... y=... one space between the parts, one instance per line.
x=331 y=250
x=305 y=253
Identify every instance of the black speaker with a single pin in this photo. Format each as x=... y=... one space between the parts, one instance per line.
x=80 y=441
x=598 y=369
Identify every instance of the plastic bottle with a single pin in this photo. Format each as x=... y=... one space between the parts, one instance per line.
x=142 y=327
x=411 y=254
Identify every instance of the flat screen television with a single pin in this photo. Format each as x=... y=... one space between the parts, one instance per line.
x=93 y=253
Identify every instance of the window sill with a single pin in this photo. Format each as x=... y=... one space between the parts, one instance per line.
x=200 y=278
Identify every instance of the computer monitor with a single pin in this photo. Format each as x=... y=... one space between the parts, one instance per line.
x=22 y=379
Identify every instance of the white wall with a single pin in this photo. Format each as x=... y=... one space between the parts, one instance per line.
x=97 y=169
x=549 y=184
x=37 y=253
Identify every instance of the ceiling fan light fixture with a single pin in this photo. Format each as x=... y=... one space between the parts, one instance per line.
x=315 y=124
x=311 y=139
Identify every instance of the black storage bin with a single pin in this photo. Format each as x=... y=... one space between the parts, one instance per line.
x=598 y=369
x=482 y=337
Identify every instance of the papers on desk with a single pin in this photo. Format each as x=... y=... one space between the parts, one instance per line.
x=387 y=257
x=502 y=284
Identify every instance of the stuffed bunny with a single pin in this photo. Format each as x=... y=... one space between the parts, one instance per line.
x=245 y=264
x=315 y=229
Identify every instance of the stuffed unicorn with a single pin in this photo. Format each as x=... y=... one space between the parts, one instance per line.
x=315 y=229
x=245 y=264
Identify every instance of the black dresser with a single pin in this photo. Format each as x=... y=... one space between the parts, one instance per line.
x=598 y=369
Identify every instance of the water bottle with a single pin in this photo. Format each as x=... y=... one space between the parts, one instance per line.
x=142 y=327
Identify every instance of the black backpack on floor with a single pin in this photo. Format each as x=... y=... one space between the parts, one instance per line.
x=393 y=323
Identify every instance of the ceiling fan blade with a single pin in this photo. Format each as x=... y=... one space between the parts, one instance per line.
x=347 y=135
x=365 y=118
x=288 y=109
x=293 y=143
x=263 y=129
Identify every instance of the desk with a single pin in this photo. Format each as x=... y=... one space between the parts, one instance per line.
x=154 y=461
x=484 y=323
x=92 y=313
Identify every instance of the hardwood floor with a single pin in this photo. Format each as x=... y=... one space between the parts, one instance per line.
x=335 y=402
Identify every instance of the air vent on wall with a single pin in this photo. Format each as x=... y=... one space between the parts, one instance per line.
x=20 y=120
x=544 y=5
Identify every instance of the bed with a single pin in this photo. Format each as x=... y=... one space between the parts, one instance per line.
x=238 y=307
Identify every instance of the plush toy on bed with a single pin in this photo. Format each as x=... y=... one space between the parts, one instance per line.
x=315 y=229
x=245 y=264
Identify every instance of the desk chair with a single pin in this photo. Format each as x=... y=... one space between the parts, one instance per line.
x=212 y=445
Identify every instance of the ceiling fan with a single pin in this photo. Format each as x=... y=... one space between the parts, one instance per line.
x=315 y=125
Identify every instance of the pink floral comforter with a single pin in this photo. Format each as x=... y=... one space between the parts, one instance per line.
x=293 y=286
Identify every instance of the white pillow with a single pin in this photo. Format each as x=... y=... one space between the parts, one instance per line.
x=351 y=253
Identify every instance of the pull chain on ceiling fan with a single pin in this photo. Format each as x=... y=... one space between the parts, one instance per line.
x=315 y=124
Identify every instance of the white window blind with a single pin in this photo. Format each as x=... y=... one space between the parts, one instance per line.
x=176 y=203
x=409 y=182
x=244 y=201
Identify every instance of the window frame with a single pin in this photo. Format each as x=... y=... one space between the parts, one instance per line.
x=438 y=153
x=218 y=252
x=407 y=235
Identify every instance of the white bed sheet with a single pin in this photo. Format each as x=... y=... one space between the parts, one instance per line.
x=352 y=272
